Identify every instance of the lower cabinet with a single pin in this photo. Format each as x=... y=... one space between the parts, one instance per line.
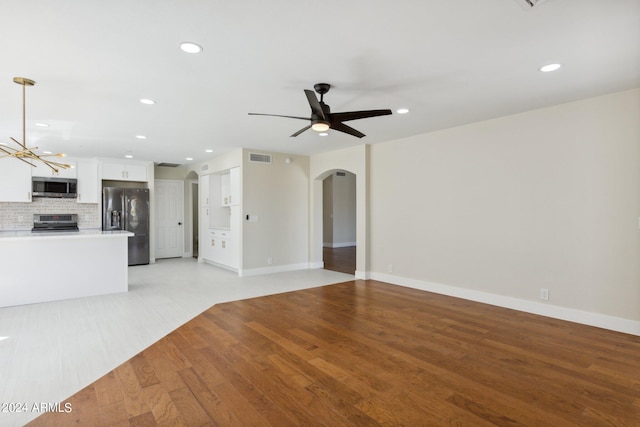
x=221 y=248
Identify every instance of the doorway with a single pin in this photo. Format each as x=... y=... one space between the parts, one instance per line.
x=169 y=223
x=339 y=222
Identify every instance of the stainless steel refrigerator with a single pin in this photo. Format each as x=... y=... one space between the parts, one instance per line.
x=128 y=209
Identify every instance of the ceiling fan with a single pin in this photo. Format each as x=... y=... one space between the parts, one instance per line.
x=322 y=119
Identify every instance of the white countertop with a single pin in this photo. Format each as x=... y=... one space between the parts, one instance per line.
x=89 y=233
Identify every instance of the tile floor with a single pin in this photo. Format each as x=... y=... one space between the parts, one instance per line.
x=49 y=351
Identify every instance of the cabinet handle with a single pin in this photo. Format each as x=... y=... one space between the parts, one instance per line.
x=213 y=242
x=229 y=199
x=29 y=196
x=79 y=197
x=224 y=245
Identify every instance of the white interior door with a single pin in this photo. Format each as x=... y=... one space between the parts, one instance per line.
x=169 y=204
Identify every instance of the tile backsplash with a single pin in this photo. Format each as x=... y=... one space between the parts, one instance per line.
x=19 y=216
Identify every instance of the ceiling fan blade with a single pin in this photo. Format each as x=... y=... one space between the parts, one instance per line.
x=346 y=129
x=355 y=115
x=278 y=115
x=301 y=130
x=316 y=108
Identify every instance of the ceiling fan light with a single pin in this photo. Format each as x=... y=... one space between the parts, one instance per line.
x=320 y=126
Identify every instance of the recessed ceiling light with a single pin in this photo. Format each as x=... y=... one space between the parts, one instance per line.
x=42 y=125
x=323 y=134
x=190 y=47
x=141 y=137
x=147 y=101
x=189 y=158
x=550 y=67
x=129 y=156
x=208 y=150
x=402 y=110
x=47 y=152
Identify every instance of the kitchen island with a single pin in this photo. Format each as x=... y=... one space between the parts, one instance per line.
x=39 y=267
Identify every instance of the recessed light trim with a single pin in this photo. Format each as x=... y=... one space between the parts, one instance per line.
x=42 y=125
x=323 y=134
x=190 y=47
x=128 y=156
x=550 y=67
x=208 y=150
x=147 y=101
x=189 y=158
x=47 y=152
x=402 y=110
x=141 y=137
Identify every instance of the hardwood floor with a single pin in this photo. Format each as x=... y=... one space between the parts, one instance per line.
x=369 y=353
x=342 y=260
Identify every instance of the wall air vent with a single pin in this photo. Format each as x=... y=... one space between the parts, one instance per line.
x=341 y=174
x=204 y=167
x=169 y=165
x=259 y=158
x=528 y=4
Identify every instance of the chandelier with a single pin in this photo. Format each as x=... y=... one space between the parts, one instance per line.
x=22 y=152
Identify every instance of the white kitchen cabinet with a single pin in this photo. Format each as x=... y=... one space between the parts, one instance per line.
x=225 y=189
x=203 y=189
x=15 y=180
x=222 y=245
x=43 y=170
x=88 y=182
x=124 y=171
x=230 y=187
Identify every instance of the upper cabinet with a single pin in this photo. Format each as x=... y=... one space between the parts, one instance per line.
x=45 y=171
x=88 y=183
x=124 y=171
x=15 y=180
x=203 y=187
x=230 y=187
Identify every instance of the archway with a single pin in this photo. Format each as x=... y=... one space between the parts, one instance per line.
x=339 y=222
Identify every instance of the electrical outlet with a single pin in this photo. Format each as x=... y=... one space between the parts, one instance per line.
x=544 y=294
x=390 y=268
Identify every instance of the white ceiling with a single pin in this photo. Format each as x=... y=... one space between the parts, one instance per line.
x=451 y=62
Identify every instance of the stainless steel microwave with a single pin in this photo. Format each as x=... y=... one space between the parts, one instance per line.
x=54 y=187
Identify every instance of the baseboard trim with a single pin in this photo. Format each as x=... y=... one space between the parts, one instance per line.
x=362 y=275
x=316 y=265
x=617 y=324
x=273 y=269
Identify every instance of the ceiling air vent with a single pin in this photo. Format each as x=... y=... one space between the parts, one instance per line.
x=528 y=4
x=259 y=158
x=169 y=165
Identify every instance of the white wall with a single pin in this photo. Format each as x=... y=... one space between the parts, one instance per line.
x=277 y=194
x=544 y=199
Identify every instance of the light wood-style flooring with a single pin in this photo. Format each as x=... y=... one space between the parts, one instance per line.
x=369 y=353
